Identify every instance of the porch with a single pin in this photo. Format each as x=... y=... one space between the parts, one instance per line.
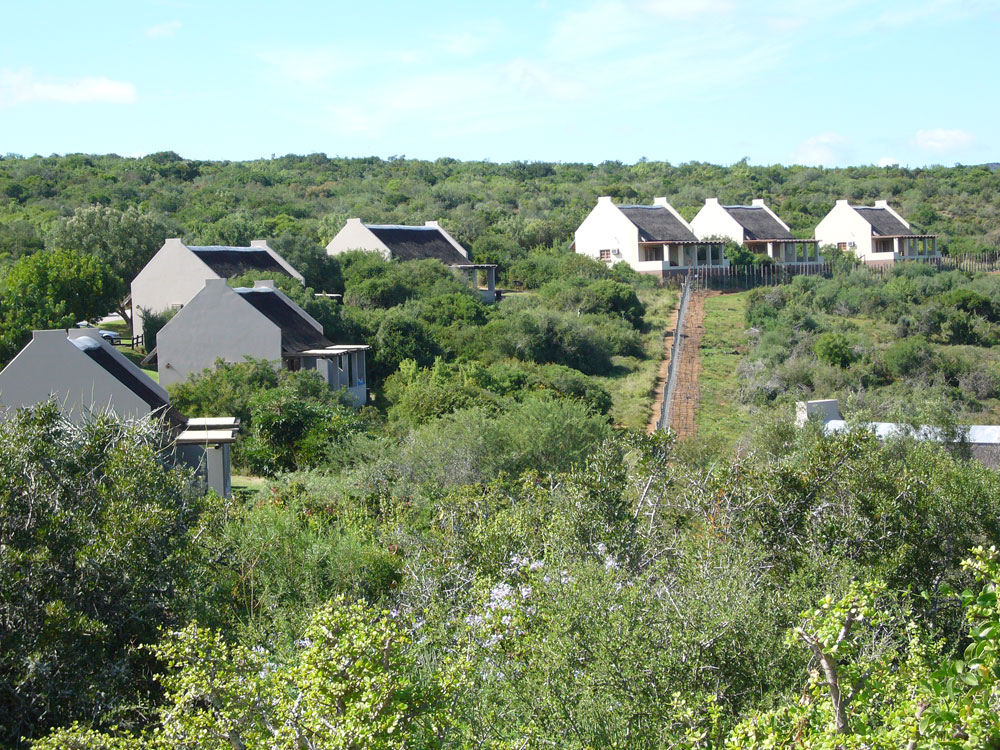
x=787 y=251
x=472 y=270
x=341 y=366
x=907 y=247
x=673 y=256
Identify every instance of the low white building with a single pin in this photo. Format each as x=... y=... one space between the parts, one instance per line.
x=877 y=235
x=178 y=272
x=260 y=322
x=651 y=239
x=755 y=227
x=87 y=376
x=402 y=243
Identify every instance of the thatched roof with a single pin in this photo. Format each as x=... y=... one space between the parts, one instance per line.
x=758 y=223
x=883 y=222
x=229 y=262
x=417 y=243
x=297 y=333
x=657 y=224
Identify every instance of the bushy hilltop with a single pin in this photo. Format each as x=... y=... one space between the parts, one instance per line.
x=307 y=198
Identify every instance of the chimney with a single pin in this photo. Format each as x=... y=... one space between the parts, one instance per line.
x=757 y=202
x=433 y=224
x=258 y=243
x=604 y=199
x=661 y=201
x=216 y=282
x=882 y=204
x=842 y=202
x=264 y=284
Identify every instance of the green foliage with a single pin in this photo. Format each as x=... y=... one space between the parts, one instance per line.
x=353 y=683
x=907 y=356
x=834 y=349
x=53 y=289
x=152 y=322
x=123 y=240
x=295 y=425
x=94 y=540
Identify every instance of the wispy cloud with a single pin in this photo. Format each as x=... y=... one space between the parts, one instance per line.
x=824 y=150
x=163 y=30
x=23 y=86
x=942 y=140
x=308 y=66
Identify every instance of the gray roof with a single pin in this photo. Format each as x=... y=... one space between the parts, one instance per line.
x=228 y=261
x=138 y=383
x=657 y=224
x=883 y=222
x=417 y=243
x=758 y=224
x=297 y=333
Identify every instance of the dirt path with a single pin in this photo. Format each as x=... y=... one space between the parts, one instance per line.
x=688 y=393
x=661 y=377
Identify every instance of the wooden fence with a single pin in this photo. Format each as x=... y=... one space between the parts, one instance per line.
x=748 y=277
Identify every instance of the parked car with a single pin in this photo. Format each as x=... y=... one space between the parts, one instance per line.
x=112 y=337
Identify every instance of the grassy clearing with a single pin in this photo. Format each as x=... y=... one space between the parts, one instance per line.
x=632 y=387
x=720 y=417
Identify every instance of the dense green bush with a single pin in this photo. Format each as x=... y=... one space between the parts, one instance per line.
x=834 y=349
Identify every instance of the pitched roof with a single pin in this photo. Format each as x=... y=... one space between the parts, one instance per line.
x=758 y=223
x=883 y=222
x=135 y=382
x=228 y=261
x=297 y=333
x=416 y=243
x=657 y=224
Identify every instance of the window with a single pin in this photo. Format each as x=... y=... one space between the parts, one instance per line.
x=652 y=253
x=604 y=254
x=842 y=246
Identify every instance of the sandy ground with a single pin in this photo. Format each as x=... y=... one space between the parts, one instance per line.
x=688 y=392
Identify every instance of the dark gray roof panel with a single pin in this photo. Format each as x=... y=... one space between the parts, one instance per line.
x=417 y=243
x=229 y=262
x=297 y=333
x=758 y=224
x=657 y=224
x=132 y=381
x=883 y=222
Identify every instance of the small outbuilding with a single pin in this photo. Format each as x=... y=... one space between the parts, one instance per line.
x=755 y=227
x=87 y=376
x=877 y=235
x=221 y=322
x=403 y=243
x=178 y=272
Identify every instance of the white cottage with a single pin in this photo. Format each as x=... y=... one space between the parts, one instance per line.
x=178 y=272
x=260 y=322
x=877 y=235
x=652 y=239
x=755 y=227
x=401 y=242
x=87 y=376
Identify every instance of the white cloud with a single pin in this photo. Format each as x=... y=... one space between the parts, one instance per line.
x=23 y=86
x=540 y=80
x=942 y=140
x=823 y=150
x=163 y=30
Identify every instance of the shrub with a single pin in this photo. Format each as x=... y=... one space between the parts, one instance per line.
x=833 y=349
x=907 y=357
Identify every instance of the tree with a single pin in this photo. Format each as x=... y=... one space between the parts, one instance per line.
x=124 y=240
x=93 y=545
x=353 y=684
x=54 y=289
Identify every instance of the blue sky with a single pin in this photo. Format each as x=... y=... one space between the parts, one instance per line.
x=777 y=81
